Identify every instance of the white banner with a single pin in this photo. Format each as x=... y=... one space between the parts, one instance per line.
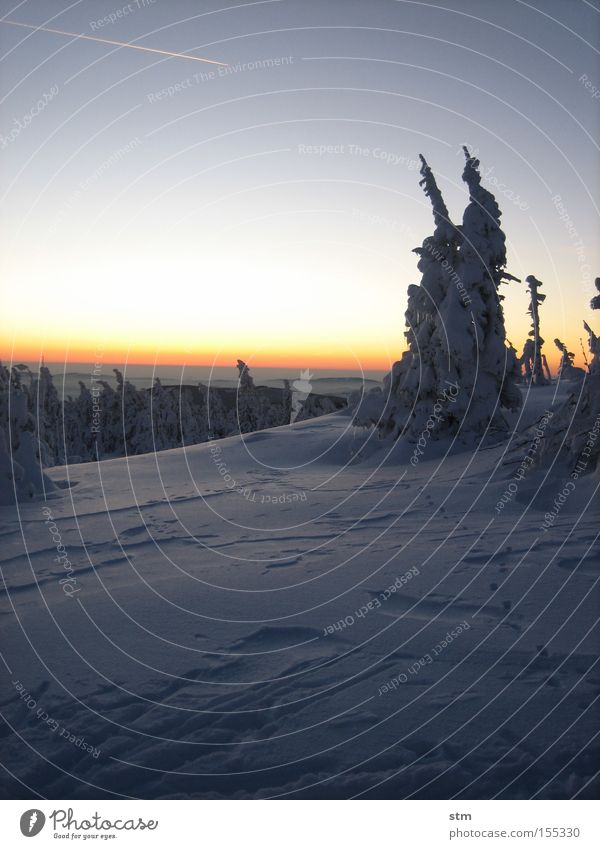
x=298 y=824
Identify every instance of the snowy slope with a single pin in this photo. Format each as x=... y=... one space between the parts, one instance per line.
x=297 y=614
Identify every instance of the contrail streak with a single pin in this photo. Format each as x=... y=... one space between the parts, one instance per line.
x=114 y=43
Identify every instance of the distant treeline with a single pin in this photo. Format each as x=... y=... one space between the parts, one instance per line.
x=39 y=429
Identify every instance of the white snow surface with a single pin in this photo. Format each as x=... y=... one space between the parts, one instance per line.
x=207 y=642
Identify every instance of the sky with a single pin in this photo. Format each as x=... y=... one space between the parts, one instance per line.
x=159 y=208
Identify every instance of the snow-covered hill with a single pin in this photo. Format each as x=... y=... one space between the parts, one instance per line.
x=296 y=614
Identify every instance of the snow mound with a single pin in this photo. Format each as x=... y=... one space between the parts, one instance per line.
x=276 y=619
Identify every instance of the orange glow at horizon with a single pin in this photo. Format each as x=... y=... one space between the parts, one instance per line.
x=363 y=358
x=273 y=303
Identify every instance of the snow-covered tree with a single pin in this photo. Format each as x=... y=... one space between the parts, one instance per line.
x=527 y=363
x=201 y=411
x=595 y=302
x=217 y=419
x=80 y=429
x=286 y=403
x=248 y=409
x=21 y=469
x=483 y=261
x=593 y=339
x=165 y=420
x=412 y=386
x=547 y=371
x=192 y=417
x=567 y=370
x=315 y=405
x=534 y=353
x=594 y=346
x=48 y=411
x=10 y=472
x=269 y=413
x=108 y=428
x=141 y=440
x=526 y=360
x=457 y=363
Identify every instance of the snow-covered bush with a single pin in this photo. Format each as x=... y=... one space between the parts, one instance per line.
x=567 y=370
x=574 y=437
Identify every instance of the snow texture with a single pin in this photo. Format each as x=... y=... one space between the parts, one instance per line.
x=263 y=616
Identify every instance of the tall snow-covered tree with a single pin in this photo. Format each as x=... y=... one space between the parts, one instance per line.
x=457 y=362
x=165 y=419
x=21 y=469
x=10 y=472
x=286 y=403
x=412 y=386
x=192 y=419
x=48 y=411
x=248 y=408
x=129 y=402
x=141 y=440
x=108 y=428
x=80 y=436
x=482 y=270
x=595 y=302
x=547 y=371
x=593 y=339
x=538 y=378
x=594 y=346
x=217 y=419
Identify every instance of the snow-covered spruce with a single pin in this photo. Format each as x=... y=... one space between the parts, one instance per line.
x=21 y=473
x=532 y=358
x=458 y=368
x=247 y=400
x=593 y=339
x=482 y=269
x=594 y=345
x=48 y=412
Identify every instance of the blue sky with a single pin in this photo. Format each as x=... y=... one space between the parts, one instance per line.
x=161 y=204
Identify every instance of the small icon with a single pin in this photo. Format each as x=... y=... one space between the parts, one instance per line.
x=32 y=822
